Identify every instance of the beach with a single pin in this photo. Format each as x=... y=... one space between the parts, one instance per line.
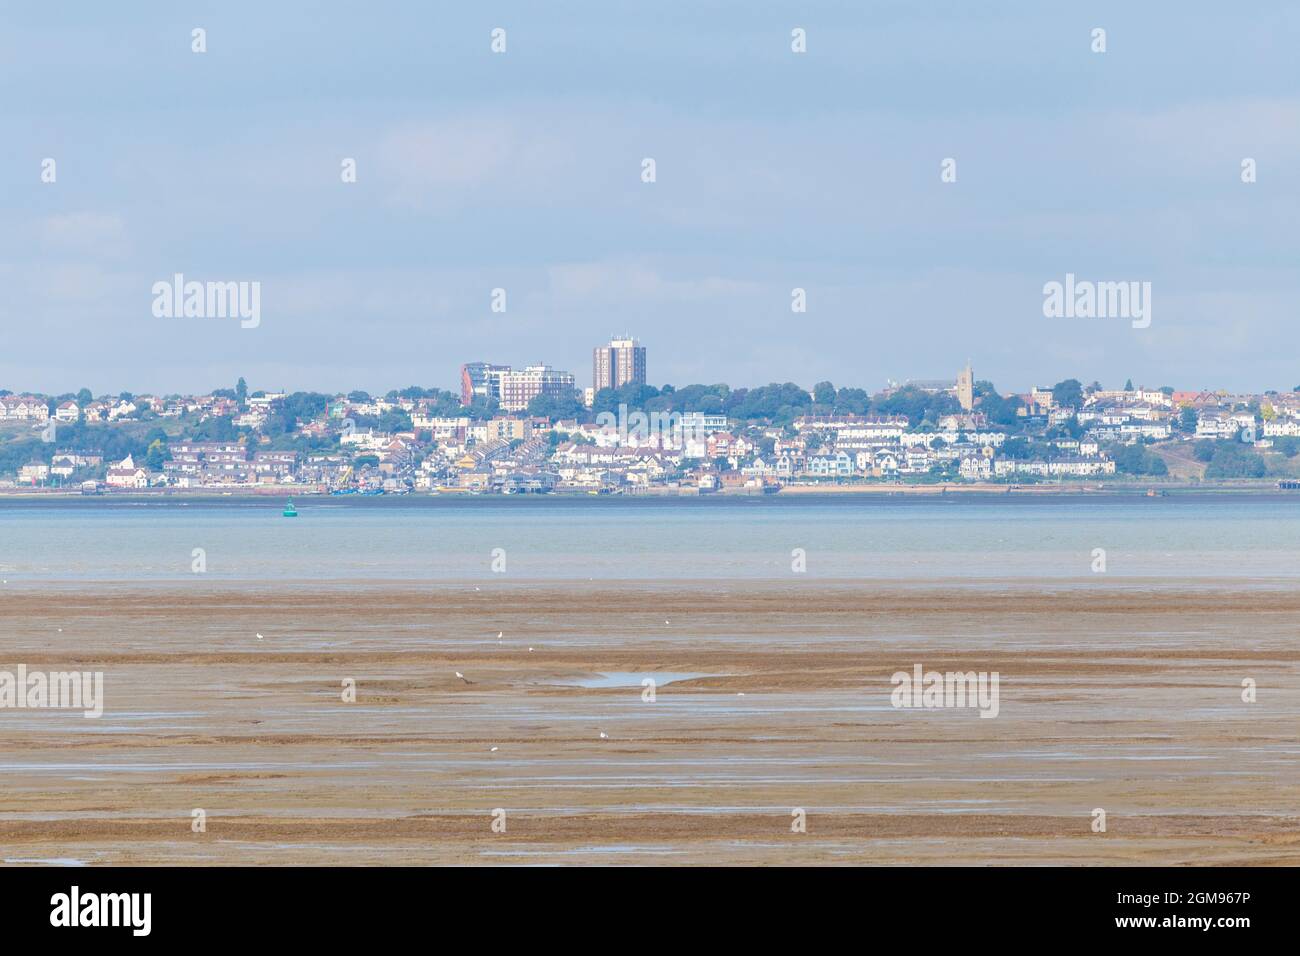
x=772 y=696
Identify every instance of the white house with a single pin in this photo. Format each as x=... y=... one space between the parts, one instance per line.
x=33 y=473
x=23 y=409
x=1281 y=428
x=126 y=475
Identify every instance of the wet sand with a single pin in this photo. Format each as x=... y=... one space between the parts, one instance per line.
x=1125 y=697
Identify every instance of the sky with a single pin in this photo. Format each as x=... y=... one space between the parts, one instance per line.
x=523 y=171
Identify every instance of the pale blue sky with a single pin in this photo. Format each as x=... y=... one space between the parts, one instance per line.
x=522 y=171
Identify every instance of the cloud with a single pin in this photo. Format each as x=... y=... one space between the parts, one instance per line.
x=603 y=283
x=438 y=164
x=89 y=233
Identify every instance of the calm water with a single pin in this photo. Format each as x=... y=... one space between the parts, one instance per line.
x=417 y=538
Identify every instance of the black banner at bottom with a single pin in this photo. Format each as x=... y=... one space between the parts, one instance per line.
x=305 y=905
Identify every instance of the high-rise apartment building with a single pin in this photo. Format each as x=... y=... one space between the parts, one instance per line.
x=480 y=380
x=618 y=363
x=518 y=388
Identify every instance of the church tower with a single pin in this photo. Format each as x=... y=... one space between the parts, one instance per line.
x=966 y=388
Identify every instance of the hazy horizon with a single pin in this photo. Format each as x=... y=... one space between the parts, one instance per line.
x=522 y=170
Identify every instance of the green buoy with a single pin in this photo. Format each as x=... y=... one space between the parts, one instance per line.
x=289 y=510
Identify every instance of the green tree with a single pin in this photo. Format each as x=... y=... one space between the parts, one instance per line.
x=414 y=392
x=1068 y=394
x=481 y=408
x=1233 y=460
x=555 y=407
x=998 y=409
x=304 y=406
x=918 y=405
x=777 y=403
x=217 y=428
x=156 y=455
x=395 y=420
x=852 y=401
x=1136 y=460
x=1287 y=445
x=241 y=392
x=1017 y=448
x=635 y=396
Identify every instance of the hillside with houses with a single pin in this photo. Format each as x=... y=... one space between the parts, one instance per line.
x=638 y=438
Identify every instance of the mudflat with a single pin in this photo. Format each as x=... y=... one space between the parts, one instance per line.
x=769 y=697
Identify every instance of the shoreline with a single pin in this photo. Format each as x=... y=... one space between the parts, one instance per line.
x=1245 y=488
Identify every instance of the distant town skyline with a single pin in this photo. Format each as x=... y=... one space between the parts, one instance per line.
x=914 y=181
x=478 y=380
